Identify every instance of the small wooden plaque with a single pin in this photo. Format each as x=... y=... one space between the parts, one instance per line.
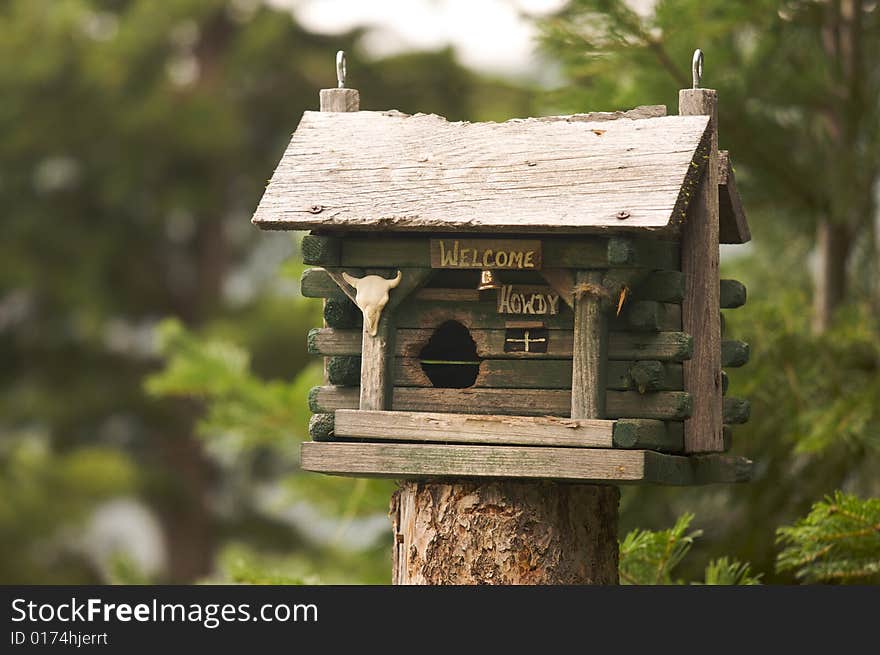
x=486 y=254
x=526 y=340
x=527 y=300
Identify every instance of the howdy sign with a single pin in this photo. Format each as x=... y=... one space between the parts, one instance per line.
x=537 y=300
x=486 y=254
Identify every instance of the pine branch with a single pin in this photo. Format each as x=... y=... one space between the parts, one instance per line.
x=839 y=540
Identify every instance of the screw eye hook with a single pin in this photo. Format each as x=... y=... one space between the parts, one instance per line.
x=697 y=67
x=340 y=69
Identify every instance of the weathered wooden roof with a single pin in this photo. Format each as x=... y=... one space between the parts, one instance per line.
x=368 y=170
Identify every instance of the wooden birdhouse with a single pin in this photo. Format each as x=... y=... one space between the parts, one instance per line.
x=538 y=298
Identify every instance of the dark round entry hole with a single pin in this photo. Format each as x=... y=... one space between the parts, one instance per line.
x=449 y=359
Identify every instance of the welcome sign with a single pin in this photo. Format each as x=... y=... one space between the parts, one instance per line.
x=485 y=254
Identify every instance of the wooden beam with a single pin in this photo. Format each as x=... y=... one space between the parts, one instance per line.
x=375 y=374
x=599 y=465
x=376 y=251
x=473 y=428
x=699 y=263
x=663 y=405
x=642 y=376
x=733 y=226
x=589 y=346
x=662 y=346
x=562 y=281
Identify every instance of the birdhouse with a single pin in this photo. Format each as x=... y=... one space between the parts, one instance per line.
x=538 y=298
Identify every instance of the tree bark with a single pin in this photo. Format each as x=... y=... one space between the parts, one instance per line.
x=504 y=532
x=832 y=253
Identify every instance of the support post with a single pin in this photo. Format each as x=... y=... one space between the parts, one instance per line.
x=337 y=100
x=699 y=263
x=376 y=352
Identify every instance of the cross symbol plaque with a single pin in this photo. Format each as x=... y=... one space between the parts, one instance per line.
x=526 y=340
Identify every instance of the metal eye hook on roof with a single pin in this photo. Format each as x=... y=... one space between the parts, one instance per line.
x=697 y=67
x=340 y=68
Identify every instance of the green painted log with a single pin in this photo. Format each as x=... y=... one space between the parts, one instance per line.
x=316 y=283
x=664 y=346
x=647 y=433
x=727 y=437
x=725 y=383
x=713 y=468
x=663 y=405
x=662 y=286
x=736 y=410
x=733 y=294
x=647 y=375
x=628 y=346
x=648 y=316
x=321 y=427
x=321 y=250
x=734 y=353
x=344 y=371
x=342 y=313
x=626 y=252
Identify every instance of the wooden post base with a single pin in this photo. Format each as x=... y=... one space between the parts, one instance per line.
x=505 y=532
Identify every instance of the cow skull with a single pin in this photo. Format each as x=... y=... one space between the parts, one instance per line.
x=372 y=296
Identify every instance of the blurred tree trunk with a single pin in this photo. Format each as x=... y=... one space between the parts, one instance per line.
x=841 y=37
x=833 y=245
x=186 y=515
x=504 y=532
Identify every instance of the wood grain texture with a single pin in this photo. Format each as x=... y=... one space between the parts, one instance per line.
x=663 y=405
x=733 y=226
x=528 y=374
x=337 y=100
x=595 y=465
x=589 y=347
x=644 y=376
x=504 y=532
x=366 y=170
x=375 y=370
x=473 y=428
x=700 y=308
x=662 y=346
x=417 y=314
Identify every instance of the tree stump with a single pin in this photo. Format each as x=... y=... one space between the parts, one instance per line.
x=506 y=532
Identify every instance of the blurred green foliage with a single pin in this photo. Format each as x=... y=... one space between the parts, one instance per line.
x=650 y=557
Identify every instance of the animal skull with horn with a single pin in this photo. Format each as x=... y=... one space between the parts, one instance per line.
x=372 y=296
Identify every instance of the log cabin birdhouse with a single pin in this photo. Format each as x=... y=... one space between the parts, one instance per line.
x=538 y=298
